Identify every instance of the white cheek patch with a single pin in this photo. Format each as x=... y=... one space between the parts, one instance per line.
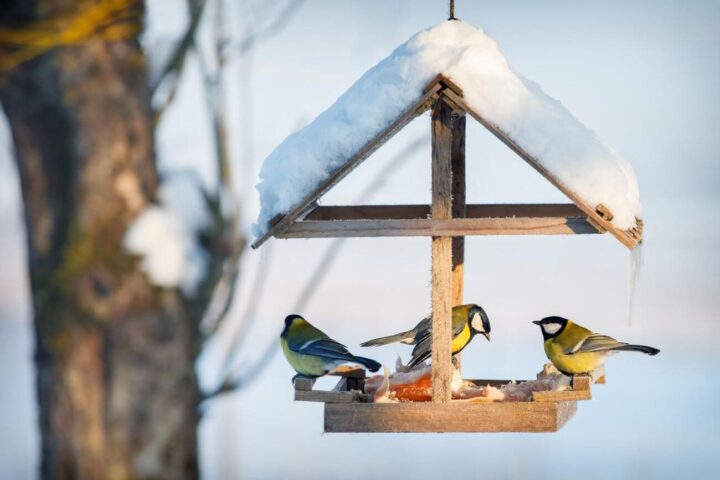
x=476 y=323
x=551 y=328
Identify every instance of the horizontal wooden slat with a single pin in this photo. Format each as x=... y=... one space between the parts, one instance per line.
x=432 y=227
x=561 y=395
x=330 y=396
x=454 y=416
x=405 y=212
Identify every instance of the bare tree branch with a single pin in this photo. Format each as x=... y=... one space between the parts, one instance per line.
x=213 y=82
x=277 y=25
x=172 y=71
x=247 y=319
x=244 y=376
x=176 y=61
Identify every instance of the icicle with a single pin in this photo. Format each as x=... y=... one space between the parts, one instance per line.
x=635 y=263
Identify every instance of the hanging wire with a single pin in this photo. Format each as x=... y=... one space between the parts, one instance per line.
x=452 y=10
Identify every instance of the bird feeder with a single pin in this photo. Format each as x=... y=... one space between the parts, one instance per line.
x=448 y=220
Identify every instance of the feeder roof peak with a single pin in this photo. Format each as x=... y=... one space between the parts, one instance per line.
x=561 y=146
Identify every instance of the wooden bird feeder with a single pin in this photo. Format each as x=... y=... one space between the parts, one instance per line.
x=447 y=220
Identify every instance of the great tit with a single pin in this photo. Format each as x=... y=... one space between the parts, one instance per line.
x=467 y=321
x=312 y=353
x=574 y=349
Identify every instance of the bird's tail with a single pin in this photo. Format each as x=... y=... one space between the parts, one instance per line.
x=639 y=348
x=405 y=337
x=368 y=363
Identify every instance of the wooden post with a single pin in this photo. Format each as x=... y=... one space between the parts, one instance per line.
x=458 y=202
x=459 y=210
x=441 y=253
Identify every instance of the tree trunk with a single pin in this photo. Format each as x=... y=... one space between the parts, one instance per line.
x=115 y=356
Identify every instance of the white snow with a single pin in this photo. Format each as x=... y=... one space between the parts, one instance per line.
x=166 y=236
x=539 y=124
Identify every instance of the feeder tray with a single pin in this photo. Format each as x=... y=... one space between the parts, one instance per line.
x=348 y=409
x=447 y=220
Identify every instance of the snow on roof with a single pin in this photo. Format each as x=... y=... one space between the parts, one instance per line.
x=539 y=124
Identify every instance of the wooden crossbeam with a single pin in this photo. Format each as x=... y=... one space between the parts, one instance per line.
x=409 y=212
x=430 y=227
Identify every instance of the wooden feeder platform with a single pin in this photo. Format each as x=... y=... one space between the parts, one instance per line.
x=348 y=409
x=447 y=220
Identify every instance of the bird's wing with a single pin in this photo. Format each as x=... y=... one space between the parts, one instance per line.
x=424 y=330
x=326 y=348
x=421 y=351
x=596 y=343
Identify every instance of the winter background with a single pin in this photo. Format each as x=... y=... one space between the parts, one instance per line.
x=643 y=75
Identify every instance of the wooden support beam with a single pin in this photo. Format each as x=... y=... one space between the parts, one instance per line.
x=408 y=212
x=441 y=209
x=432 y=227
x=457 y=158
x=628 y=238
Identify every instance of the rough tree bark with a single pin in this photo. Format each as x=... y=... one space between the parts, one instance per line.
x=115 y=356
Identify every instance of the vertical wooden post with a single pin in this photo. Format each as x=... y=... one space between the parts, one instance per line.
x=458 y=202
x=459 y=210
x=441 y=253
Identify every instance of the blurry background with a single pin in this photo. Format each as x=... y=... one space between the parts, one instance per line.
x=643 y=74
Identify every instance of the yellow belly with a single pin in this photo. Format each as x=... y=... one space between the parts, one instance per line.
x=309 y=365
x=459 y=342
x=576 y=363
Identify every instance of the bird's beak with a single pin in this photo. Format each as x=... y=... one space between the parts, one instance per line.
x=537 y=322
x=486 y=335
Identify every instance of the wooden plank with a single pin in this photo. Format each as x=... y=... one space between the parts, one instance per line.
x=441 y=209
x=329 y=397
x=581 y=382
x=561 y=396
x=454 y=416
x=580 y=391
x=303 y=383
x=459 y=210
x=416 y=109
x=432 y=227
x=626 y=238
x=441 y=318
x=407 y=212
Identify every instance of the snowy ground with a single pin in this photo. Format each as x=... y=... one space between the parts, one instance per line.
x=644 y=76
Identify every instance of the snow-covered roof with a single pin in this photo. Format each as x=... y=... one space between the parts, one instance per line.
x=570 y=153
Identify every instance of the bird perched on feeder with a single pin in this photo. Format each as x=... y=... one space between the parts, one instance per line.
x=312 y=353
x=467 y=321
x=574 y=349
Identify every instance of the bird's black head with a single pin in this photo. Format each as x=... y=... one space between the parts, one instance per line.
x=479 y=321
x=288 y=321
x=551 y=326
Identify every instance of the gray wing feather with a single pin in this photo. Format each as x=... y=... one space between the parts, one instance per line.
x=597 y=343
x=326 y=348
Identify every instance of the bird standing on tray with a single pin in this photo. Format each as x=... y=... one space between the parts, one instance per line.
x=467 y=321
x=312 y=353
x=574 y=349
